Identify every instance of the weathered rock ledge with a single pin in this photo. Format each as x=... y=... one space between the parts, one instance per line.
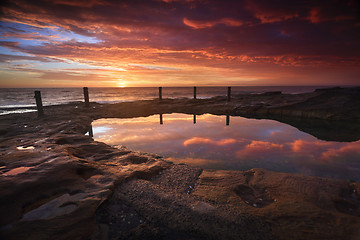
x=57 y=183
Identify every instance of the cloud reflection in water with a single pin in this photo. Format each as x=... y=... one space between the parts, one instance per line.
x=244 y=144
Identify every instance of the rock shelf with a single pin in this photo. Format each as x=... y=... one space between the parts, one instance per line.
x=58 y=183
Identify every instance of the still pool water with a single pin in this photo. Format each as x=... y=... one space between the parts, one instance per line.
x=232 y=143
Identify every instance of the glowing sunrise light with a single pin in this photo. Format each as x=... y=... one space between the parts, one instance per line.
x=174 y=43
x=121 y=84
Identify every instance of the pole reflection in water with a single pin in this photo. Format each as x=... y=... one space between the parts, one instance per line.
x=90 y=131
x=194 y=119
x=246 y=144
x=161 y=119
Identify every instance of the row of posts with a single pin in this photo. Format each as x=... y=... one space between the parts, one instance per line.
x=39 y=104
x=91 y=133
x=228 y=93
x=87 y=103
x=194 y=119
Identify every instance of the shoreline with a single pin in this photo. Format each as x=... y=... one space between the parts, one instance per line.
x=76 y=188
x=122 y=95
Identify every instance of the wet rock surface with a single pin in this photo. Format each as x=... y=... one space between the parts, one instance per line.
x=57 y=183
x=298 y=207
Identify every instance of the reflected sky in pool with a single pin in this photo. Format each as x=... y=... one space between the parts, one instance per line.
x=241 y=145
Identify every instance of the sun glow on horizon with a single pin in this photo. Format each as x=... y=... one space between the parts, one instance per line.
x=121 y=85
x=262 y=44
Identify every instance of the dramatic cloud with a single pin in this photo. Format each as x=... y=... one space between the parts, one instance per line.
x=310 y=146
x=205 y=24
x=350 y=152
x=186 y=42
x=198 y=140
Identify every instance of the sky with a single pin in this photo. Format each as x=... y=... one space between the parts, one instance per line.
x=131 y=43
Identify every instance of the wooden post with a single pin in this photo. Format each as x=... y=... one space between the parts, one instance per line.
x=39 y=103
x=229 y=94
x=161 y=119
x=194 y=92
x=160 y=93
x=86 y=96
x=227 y=120
x=194 y=118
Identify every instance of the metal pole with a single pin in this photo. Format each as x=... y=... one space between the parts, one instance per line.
x=194 y=92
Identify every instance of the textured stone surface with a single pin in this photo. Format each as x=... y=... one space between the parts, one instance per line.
x=57 y=183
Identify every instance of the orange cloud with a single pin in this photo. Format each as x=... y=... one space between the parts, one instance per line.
x=317 y=15
x=266 y=18
x=314 y=15
x=80 y=3
x=197 y=38
x=197 y=24
x=198 y=140
x=261 y=146
x=350 y=149
x=307 y=146
x=271 y=13
x=259 y=149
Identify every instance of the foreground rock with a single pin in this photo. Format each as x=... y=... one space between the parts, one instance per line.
x=298 y=207
x=57 y=183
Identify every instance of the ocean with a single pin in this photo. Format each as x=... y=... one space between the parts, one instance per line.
x=20 y=100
